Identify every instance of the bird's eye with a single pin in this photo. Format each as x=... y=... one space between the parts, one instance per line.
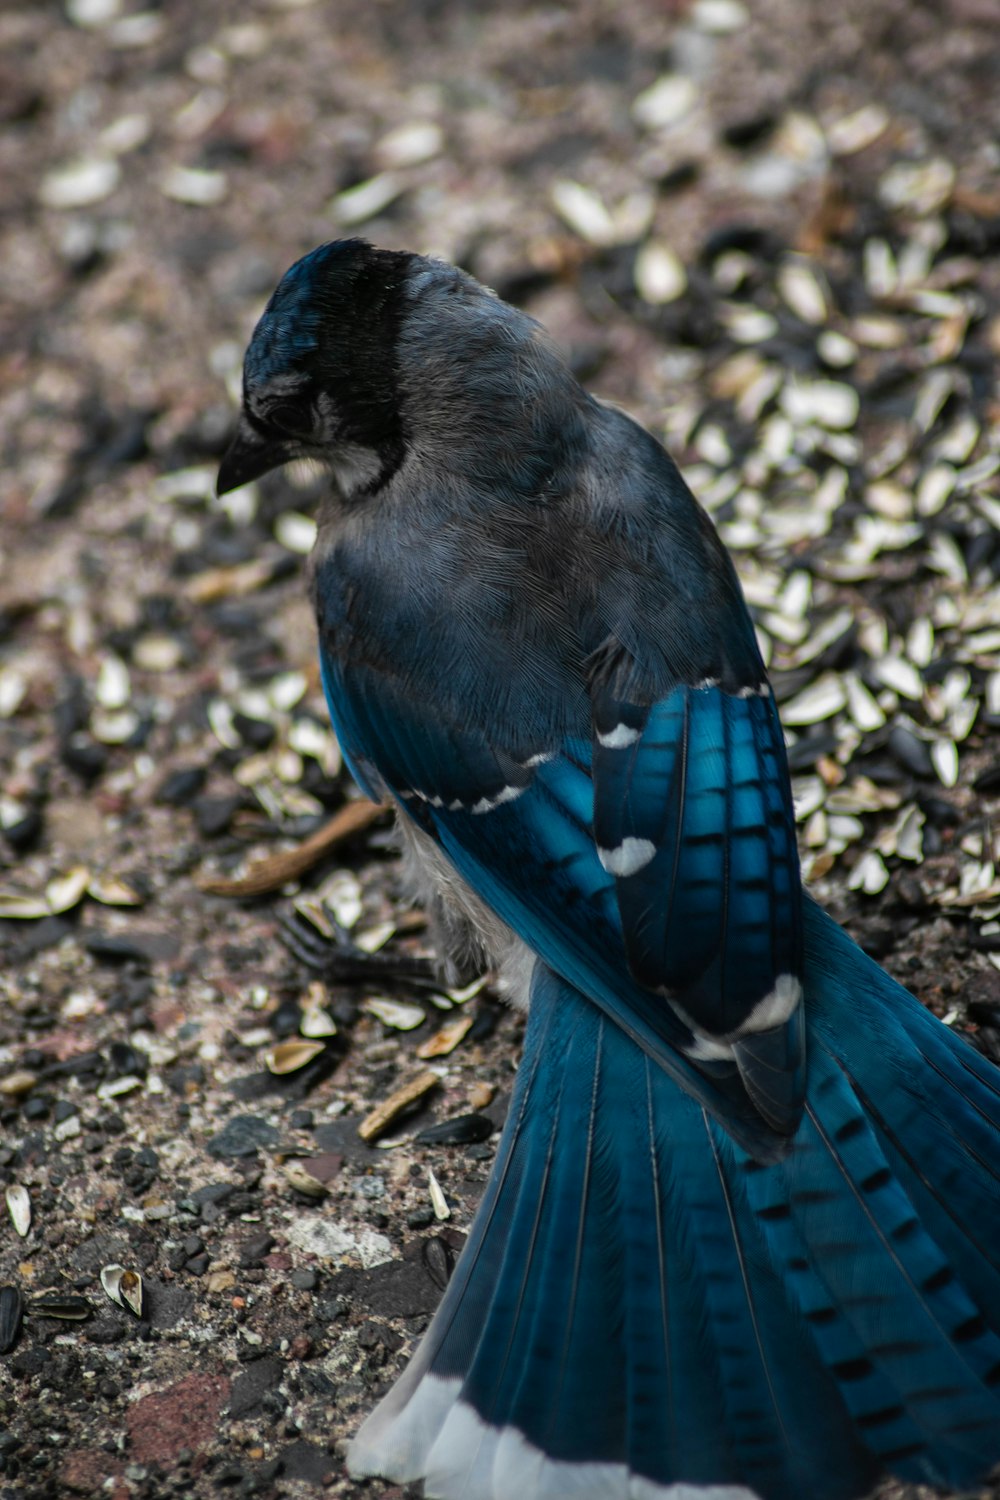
x=289 y=418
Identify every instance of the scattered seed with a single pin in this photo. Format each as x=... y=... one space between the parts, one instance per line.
x=309 y=738
x=718 y=17
x=920 y=187
x=287 y=766
x=117 y=1088
x=81 y=183
x=481 y=1095
x=357 y=204
x=375 y=938
x=808 y=795
x=856 y=131
x=15 y=1085
x=395 y=1013
x=124 y=1287
x=439 y=1260
x=816 y=833
x=829 y=403
x=467 y=992
x=220 y=719
x=290 y=1056
x=862 y=795
x=978 y=473
x=956 y=444
x=869 y=874
x=864 y=709
x=447 y=1038
x=298 y=1176
x=659 y=274
x=138 y=30
x=900 y=675
x=945 y=556
x=157 y=653
x=404 y=1098
x=61 y=1305
x=934 y=393
x=287 y=689
x=92 y=13
x=836 y=349
x=665 y=102
x=20 y=907
x=461 y=1130
x=113 y=686
x=910 y=751
x=295 y=531
x=585 y=212
x=109 y=890
x=748 y=325
x=11 y=1314
x=802 y=290
x=19 y=1208
x=113 y=728
x=341 y=895
x=410 y=144
x=130 y=1287
x=125 y=134
x=438 y=1201
x=944 y=758
x=821 y=700
x=934 y=487
x=907 y=834
x=843 y=829
x=198 y=186
x=13 y=689
x=920 y=645
x=317 y=1021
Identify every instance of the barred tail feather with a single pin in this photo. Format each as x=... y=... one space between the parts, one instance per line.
x=644 y=1312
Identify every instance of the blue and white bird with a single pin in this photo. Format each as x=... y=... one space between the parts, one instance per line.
x=742 y=1235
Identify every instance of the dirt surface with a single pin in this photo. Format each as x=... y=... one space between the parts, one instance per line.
x=771 y=231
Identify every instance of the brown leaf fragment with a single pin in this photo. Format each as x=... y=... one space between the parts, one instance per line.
x=390 y=1109
x=271 y=874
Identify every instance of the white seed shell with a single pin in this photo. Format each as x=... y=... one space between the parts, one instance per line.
x=820 y=700
x=64 y=892
x=944 y=758
x=395 y=1013
x=802 y=290
x=438 y=1201
x=665 y=102
x=659 y=273
x=19 y=1208
x=290 y=1056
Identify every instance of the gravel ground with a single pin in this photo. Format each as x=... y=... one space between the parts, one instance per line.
x=770 y=229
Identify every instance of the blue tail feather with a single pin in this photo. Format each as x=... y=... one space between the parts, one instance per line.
x=641 y=1304
x=934 y=1102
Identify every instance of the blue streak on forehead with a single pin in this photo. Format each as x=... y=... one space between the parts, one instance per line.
x=289 y=328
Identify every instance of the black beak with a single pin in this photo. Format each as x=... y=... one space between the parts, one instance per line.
x=248 y=457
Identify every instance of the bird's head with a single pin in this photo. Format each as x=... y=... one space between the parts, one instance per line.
x=319 y=377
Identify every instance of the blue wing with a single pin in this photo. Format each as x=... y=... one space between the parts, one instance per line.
x=693 y=816
x=649 y=858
